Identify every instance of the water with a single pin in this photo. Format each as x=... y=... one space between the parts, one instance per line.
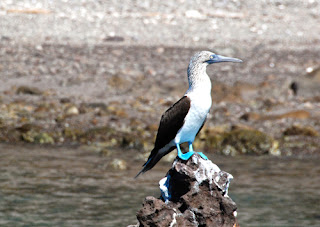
x=45 y=186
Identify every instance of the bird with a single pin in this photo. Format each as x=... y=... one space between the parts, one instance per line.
x=184 y=119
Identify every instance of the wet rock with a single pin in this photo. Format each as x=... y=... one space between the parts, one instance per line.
x=210 y=137
x=248 y=141
x=275 y=150
x=241 y=139
x=132 y=141
x=33 y=133
x=29 y=90
x=229 y=150
x=28 y=127
x=300 y=130
x=98 y=132
x=194 y=193
x=72 y=133
x=119 y=164
x=37 y=137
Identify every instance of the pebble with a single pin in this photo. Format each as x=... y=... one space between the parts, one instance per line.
x=72 y=110
x=119 y=164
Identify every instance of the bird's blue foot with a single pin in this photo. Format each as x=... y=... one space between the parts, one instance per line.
x=200 y=153
x=185 y=156
x=203 y=155
x=188 y=155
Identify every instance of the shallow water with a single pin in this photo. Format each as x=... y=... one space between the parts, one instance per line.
x=45 y=186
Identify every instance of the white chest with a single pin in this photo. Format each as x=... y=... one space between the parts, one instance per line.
x=200 y=106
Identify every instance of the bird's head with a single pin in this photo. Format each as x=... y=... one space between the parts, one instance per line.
x=207 y=57
x=198 y=64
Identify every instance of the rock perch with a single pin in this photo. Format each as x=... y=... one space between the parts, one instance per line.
x=194 y=193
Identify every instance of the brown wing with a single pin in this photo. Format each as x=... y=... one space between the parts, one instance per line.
x=172 y=121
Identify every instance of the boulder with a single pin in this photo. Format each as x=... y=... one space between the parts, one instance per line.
x=193 y=193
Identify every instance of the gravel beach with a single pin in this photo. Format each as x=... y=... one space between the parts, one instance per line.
x=68 y=67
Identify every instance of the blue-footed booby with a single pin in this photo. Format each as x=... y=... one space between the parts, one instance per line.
x=184 y=119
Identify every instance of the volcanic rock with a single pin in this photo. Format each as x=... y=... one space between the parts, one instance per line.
x=300 y=130
x=29 y=90
x=194 y=193
x=296 y=114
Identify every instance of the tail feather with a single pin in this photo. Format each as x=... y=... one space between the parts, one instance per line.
x=151 y=162
x=153 y=159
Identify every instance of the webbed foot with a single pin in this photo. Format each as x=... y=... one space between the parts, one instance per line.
x=203 y=155
x=185 y=156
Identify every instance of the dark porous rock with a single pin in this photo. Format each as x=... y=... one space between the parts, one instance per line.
x=29 y=90
x=194 y=193
x=114 y=39
x=300 y=130
x=296 y=114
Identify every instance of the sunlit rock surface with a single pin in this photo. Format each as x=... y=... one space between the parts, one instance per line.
x=194 y=193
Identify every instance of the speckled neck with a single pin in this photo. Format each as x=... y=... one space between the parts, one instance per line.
x=198 y=78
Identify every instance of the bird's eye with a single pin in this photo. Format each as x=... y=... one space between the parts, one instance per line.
x=211 y=57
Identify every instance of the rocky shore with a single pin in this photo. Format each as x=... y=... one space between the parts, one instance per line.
x=88 y=74
x=123 y=110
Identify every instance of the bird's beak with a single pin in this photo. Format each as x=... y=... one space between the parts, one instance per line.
x=219 y=58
